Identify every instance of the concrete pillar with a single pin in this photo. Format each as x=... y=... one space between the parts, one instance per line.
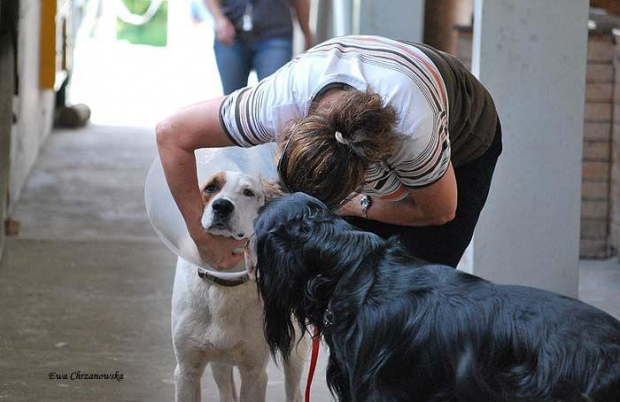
x=343 y=17
x=531 y=55
x=402 y=19
x=398 y=19
x=324 y=26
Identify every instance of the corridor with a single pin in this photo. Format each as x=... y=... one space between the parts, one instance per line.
x=86 y=285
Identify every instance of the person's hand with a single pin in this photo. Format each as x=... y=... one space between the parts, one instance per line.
x=224 y=31
x=218 y=251
x=350 y=206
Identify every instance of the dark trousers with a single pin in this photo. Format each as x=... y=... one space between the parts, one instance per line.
x=445 y=244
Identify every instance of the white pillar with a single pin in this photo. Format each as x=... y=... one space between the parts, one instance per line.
x=531 y=55
x=343 y=14
x=397 y=19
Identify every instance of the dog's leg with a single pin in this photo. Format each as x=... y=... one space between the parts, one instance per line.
x=190 y=366
x=223 y=374
x=294 y=368
x=253 y=383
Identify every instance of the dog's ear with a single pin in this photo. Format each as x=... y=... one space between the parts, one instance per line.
x=272 y=189
x=280 y=282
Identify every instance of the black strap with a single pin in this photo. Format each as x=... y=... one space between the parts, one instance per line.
x=223 y=282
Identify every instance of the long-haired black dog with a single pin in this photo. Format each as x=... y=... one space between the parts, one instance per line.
x=402 y=330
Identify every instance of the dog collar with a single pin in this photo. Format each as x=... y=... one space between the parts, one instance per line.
x=221 y=281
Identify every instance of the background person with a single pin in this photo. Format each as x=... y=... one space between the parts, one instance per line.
x=255 y=35
x=399 y=137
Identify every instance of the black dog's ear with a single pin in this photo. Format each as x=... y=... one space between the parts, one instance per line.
x=283 y=230
x=280 y=281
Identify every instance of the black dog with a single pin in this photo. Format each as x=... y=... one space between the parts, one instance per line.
x=402 y=330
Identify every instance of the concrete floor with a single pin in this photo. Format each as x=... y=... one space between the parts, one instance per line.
x=86 y=286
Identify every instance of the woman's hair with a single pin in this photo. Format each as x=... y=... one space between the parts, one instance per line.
x=326 y=154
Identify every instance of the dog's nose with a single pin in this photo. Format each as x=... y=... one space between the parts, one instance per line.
x=222 y=207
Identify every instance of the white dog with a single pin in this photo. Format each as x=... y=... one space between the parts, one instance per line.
x=219 y=321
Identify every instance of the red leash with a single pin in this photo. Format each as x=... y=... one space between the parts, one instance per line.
x=316 y=343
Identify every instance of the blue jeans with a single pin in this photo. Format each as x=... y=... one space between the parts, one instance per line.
x=235 y=62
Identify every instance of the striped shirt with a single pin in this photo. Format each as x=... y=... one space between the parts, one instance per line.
x=401 y=74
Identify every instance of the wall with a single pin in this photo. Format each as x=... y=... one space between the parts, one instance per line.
x=615 y=153
x=7 y=89
x=34 y=107
x=596 y=169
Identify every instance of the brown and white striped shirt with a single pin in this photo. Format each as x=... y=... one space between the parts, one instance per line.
x=402 y=74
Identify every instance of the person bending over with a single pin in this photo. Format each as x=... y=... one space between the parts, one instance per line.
x=396 y=136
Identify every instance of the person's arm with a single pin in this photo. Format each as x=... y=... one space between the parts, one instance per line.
x=428 y=206
x=178 y=136
x=224 y=28
x=302 y=11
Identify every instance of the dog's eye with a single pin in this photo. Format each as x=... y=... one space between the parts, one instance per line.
x=211 y=188
x=248 y=193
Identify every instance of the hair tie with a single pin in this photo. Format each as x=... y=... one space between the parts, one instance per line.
x=340 y=139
